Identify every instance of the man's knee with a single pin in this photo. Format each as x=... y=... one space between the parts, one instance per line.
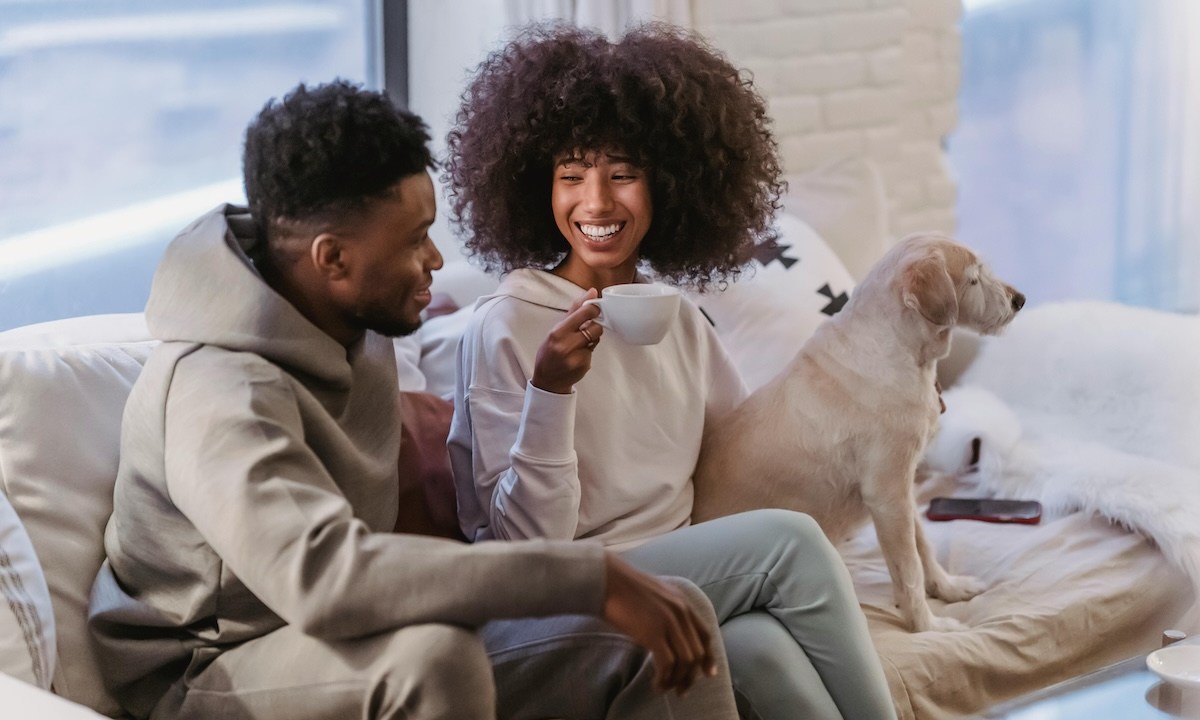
x=437 y=671
x=696 y=598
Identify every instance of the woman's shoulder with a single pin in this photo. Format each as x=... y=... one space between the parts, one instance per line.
x=520 y=311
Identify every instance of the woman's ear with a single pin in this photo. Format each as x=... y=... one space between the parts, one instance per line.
x=929 y=290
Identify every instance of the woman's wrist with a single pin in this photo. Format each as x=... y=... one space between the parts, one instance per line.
x=556 y=388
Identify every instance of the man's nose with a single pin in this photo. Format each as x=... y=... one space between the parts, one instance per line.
x=435 y=260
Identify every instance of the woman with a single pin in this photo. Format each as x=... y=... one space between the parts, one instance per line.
x=575 y=162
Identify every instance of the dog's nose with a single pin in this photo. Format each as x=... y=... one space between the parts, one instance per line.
x=1018 y=301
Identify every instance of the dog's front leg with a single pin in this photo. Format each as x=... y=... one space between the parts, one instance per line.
x=938 y=582
x=887 y=494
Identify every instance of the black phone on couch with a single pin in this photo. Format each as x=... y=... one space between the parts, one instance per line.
x=1028 y=512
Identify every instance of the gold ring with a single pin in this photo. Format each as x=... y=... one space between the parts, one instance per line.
x=591 y=341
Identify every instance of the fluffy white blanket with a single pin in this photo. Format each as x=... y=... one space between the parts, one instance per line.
x=1087 y=406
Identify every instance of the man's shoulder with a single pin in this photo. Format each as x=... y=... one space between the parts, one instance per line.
x=209 y=370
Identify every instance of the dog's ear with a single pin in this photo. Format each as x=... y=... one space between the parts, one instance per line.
x=929 y=290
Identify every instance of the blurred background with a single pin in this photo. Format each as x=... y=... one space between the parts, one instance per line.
x=1059 y=137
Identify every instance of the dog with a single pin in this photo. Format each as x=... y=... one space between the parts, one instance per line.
x=840 y=432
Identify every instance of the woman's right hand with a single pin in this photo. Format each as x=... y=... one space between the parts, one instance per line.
x=566 y=354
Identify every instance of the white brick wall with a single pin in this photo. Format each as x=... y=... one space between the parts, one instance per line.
x=872 y=78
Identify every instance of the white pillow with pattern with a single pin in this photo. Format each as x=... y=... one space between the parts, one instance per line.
x=26 y=618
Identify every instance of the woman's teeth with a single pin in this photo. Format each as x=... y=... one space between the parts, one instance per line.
x=600 y=232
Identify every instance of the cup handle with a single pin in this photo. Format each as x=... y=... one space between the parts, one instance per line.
x=599 y=319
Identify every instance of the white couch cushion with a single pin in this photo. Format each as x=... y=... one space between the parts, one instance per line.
x=26 y=615
x=439 y=350
x=60 y=419
x=22 y=701
x=845 y=203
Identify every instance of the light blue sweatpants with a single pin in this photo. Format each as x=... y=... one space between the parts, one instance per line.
x=795 y=636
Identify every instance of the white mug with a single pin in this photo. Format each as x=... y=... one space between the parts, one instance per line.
x=640 y=313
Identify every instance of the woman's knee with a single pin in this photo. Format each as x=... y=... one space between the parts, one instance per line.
x=798 y=539
x=778 y=523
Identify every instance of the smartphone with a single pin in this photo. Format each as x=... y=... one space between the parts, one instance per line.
x=1028 y=512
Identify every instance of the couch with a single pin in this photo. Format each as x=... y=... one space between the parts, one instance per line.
x=1066 y=596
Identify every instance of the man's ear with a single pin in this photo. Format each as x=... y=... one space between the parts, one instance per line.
x=328 y=255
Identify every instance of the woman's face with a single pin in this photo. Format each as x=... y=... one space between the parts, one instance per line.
x=602 y=206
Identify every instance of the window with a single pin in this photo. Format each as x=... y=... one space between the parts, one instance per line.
x=121 y=121
x=1076 y=149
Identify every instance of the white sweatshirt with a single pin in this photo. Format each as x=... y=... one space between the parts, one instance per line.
x=611 y=461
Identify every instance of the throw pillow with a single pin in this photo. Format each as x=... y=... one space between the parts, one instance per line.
x=26 y=617
x=428 y=505
x=792 y=286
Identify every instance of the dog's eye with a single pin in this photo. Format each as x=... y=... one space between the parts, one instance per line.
x=974 y=281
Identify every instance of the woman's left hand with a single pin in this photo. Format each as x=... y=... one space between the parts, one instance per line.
x=566 y=354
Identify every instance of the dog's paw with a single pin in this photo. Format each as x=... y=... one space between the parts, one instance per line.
x=956 y=588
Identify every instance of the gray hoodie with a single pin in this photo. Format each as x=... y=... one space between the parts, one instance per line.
x=258 y=484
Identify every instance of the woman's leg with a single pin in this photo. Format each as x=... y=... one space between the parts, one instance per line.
x=780 y=562
x=772 y=677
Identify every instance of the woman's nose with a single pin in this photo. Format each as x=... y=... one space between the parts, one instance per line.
x=597 y=194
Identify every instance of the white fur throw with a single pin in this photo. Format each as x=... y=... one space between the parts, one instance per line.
x=1087 y=406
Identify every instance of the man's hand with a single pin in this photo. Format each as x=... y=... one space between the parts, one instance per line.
x=659 y=618
x=566 y=354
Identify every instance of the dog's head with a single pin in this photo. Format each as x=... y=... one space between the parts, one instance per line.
x=947 y=284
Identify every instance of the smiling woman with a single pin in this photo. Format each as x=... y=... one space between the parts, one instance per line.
x=129 y=124
x=576 y=162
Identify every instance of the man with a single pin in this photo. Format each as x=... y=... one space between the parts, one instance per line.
x=250 y=572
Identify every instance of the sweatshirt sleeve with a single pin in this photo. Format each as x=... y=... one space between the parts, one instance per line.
x=512 y=445
x=239 y=469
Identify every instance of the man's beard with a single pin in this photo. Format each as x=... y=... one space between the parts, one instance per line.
x=380 y=320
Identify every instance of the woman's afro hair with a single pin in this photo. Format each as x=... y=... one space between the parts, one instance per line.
x=661 y=96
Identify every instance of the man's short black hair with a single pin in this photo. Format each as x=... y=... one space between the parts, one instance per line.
x=324 y=152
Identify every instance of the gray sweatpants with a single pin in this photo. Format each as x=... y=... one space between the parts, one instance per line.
x=568 y=667
x=796 y=638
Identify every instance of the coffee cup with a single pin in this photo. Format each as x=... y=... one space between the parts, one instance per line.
x=641 y=313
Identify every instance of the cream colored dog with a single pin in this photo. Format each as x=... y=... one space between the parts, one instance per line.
x=839 y=433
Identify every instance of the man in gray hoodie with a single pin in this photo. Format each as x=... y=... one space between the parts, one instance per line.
x=251 y=571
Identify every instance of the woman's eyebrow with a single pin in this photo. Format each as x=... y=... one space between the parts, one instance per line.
x=617 y=158
x=572 y=160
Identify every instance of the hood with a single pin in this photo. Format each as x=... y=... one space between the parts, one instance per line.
x=206 y=290
x=541 y=288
